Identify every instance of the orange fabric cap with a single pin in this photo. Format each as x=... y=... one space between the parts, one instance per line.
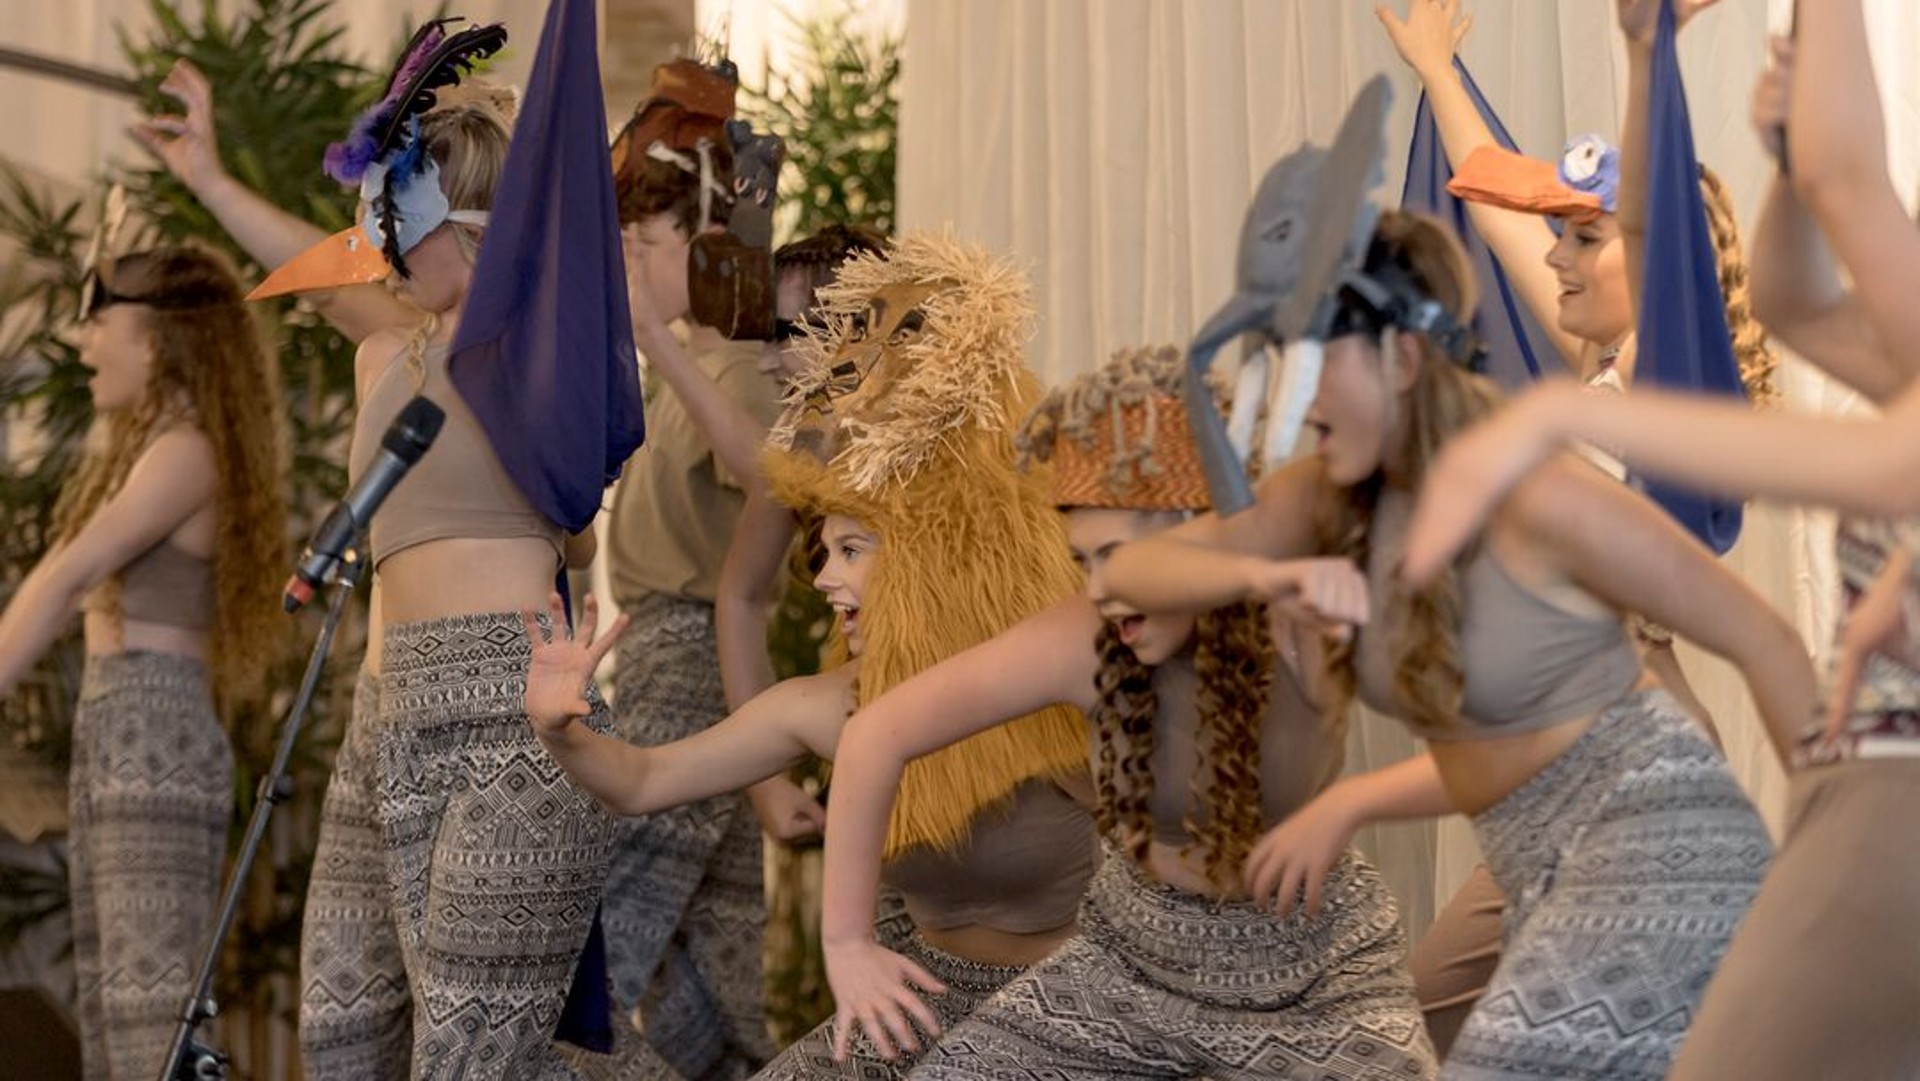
x=1499 y=177
x=1091 y=472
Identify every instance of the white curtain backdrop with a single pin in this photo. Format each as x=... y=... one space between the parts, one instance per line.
x=1112 y=146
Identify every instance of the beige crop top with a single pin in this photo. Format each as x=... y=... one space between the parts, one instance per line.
x=1023 y=868
x=458 y=488
x=163 y=585
x=1529 y=664
x=1296 y=758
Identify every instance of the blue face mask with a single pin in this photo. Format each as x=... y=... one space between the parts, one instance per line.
x=419 y=206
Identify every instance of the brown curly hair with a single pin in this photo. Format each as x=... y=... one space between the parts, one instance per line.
x=1233 y=666
x=212 y=371
x=1429 y=682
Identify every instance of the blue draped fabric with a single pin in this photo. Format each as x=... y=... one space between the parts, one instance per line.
x=544 y=352
x=1683 y=339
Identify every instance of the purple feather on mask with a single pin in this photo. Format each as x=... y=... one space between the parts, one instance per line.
x=346 y=161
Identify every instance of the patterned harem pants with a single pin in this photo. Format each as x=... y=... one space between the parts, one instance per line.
x=1627 y=863
x=969 y=983
x=492 y=863
x=150 y=791
x=685 y=904
x=1162 y=983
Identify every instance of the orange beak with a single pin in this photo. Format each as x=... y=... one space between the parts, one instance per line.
x=348 y=257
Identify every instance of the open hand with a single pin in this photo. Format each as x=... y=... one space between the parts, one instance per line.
x=874 y=989
x=1429 y=36
x=562 y=665
x=1291 y=862
x=185 y=144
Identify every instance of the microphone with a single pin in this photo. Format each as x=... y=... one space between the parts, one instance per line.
x=411 y=433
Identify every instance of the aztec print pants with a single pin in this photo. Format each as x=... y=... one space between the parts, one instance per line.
x=1627 y=863
x=493 y=866
x=969 y=983
x=150 y=791
x=1162 y=983
x=685 y=903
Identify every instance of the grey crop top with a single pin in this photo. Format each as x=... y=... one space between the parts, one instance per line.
x=1529 y=664
x=163 y=585
x=458 y=489
x=1296 y=758
x=1023 y=868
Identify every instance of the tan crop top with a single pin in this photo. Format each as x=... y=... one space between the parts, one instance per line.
x=164 y=585
x=1297 y=760
x=1529 y=664
x=1022 y=870
x=458 y=488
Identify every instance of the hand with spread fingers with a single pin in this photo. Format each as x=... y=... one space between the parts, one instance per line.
x=1429 y=36
x=1289 y=866
x=185 y=144
x=563 y=664
x=879 y=991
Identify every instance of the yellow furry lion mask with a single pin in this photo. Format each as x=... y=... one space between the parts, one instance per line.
x=903 y=419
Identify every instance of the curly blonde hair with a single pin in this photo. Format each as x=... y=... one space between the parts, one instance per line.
x=212 y=371
x=1429 y=680
x=1751 y=348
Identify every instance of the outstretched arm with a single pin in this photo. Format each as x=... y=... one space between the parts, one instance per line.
x=768 y=735
x=1427 y=40
x=1797 y=290
x=188 y=146
x=173 y=480
x=1856 y=465
x=1046 y=659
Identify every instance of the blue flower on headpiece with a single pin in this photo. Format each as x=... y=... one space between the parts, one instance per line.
x=1591 y=164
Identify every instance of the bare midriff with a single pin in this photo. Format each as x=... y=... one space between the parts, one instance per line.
x=1481 y=772
x=461 y=576
x=107 y=635
x=989 y=946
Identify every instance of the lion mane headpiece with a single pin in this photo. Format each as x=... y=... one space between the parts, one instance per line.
x=915 y=440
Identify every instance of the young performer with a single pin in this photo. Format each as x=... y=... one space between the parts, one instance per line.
x=1202 y=739
x=899 y=434
x=1843 y=1013
x=1625 y=848
x=170 y=537
x=430 y=944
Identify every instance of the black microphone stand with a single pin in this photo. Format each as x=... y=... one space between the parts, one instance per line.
x=188 y=1059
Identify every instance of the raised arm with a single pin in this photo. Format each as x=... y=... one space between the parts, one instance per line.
x=1836 y=139
x=189 y=148
x=173 y=480
x=1621 y=548
x=1046 y=659
x=1427 y=40
x=748 y=589
x=769 y=734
